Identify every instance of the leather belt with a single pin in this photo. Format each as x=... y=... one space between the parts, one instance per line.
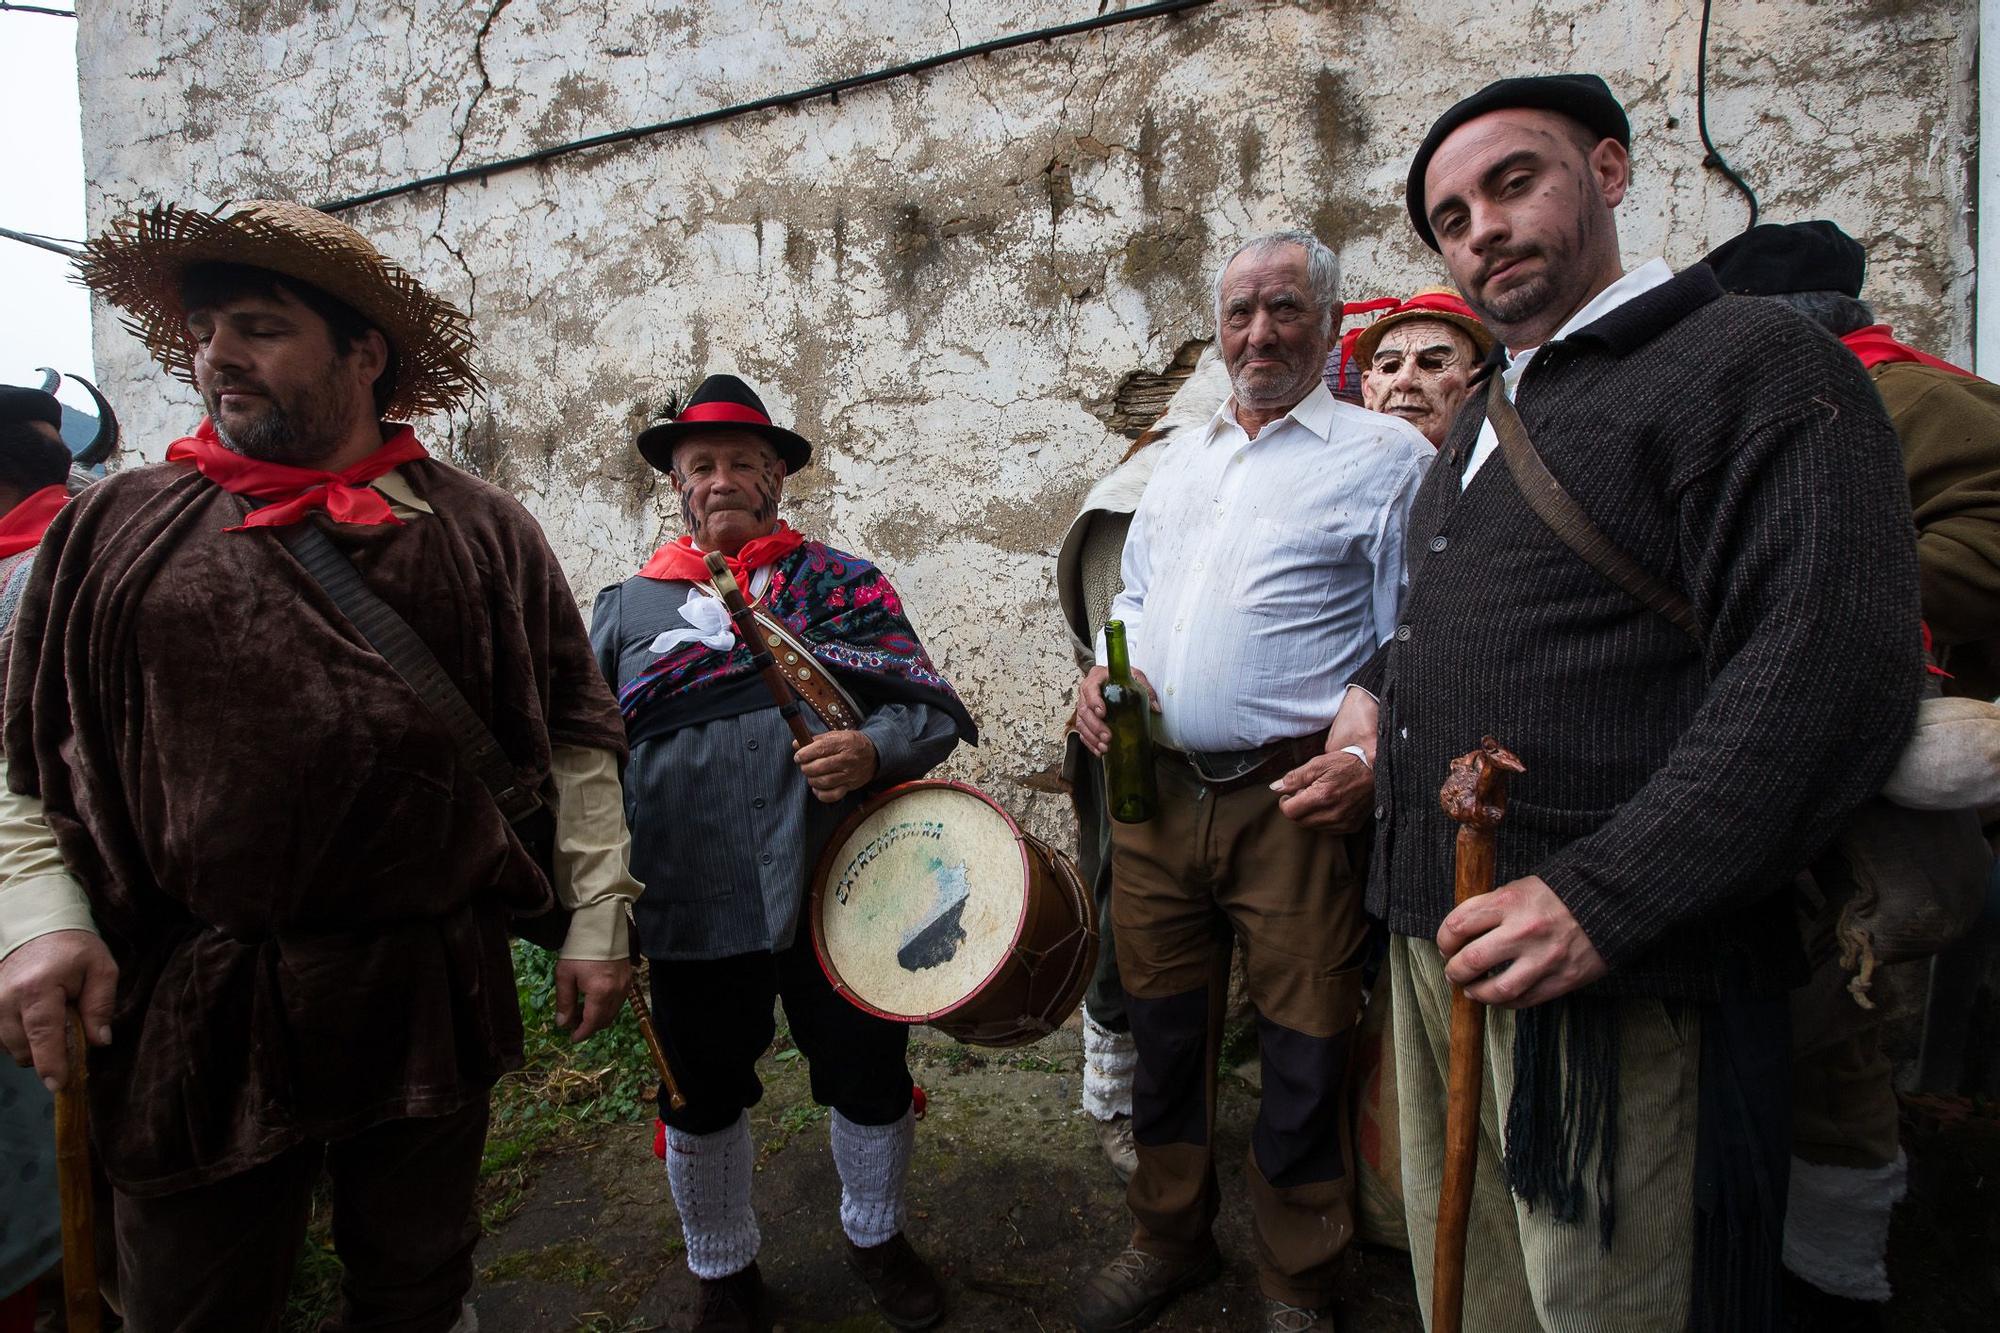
x=1223 y=771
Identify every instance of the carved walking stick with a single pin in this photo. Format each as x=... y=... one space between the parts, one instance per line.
x=1475 y=794
x=73 y=1185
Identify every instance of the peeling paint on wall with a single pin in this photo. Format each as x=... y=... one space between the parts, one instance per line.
x=949 y=281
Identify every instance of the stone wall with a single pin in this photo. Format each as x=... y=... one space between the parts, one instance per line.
x=944 y=279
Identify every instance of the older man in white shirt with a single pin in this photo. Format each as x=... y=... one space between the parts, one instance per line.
x=1263 y=567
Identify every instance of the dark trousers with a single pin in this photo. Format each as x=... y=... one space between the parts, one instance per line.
x=715 y=1019
x=220 y=1256
x=1206 y=867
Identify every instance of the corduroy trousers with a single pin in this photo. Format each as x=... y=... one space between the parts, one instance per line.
x=1524 y=1270
x=1212 y=865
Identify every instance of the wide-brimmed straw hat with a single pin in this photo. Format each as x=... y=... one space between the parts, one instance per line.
x=138 y=265
x=1441 y=304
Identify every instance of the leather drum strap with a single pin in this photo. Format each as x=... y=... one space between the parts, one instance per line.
x=814 y=683
x=1566 y=518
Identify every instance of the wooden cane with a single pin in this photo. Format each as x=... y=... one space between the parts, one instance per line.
x=73 y=1185
x=1475 y=795
x=636 y=997
x=752 y=635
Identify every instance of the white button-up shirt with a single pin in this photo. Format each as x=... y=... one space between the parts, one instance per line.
x=1259 y=574
x=1651 y=274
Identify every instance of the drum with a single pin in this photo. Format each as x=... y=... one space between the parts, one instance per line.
x=931 y=905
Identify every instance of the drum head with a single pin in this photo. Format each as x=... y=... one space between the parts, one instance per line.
x=919 y=900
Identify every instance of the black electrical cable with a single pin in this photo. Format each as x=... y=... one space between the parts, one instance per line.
x=1714 y=158
x=6 y=8
x=833 y=90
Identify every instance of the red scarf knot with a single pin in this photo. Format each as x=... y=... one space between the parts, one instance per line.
x=25 y=523
x=679 y=561
x=295 y=492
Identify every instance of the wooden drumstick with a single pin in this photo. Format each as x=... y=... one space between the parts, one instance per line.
x=752 y=635
x=636 y=997
x=73 y=1185
x=1475 y=795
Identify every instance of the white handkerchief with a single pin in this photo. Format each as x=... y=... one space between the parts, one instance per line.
x=707 y=624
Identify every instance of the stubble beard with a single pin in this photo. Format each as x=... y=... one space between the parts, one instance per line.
x=298 y=431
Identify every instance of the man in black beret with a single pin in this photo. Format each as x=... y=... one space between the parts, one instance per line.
x=1702 y=682
x=1848 y=1168
x=34 y=467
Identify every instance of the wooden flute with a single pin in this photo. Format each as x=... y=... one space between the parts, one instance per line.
x=752 y=635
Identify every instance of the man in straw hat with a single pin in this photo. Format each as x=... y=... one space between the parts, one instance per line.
x=729 y=819
x=1418 y=359
x=1693 y=732
x=239 y=841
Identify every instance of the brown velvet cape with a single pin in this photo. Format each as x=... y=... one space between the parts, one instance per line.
x=305 y=892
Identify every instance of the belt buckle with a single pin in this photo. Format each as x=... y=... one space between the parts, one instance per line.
x=1217 y=768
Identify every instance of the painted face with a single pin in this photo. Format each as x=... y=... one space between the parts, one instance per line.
x=272 y=382
x=1522 y=212
x=1274 y=341
x=1421 y=372
x=729 y=483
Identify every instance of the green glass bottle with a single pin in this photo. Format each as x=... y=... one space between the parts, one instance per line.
x=1130 y=789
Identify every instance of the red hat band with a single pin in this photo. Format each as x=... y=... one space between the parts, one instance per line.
x=717 y=410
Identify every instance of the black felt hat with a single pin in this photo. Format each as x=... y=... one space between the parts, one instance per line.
x=1582 y=97
x=722 y=402
x=1773 y=258
x=19 y=404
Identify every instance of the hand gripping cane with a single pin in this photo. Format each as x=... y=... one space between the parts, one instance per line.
x=1475 y=795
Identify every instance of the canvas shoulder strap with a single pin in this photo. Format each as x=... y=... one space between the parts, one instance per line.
x=1566 y=518
x=391 y=636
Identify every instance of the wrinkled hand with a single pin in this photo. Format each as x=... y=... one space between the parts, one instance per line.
x=1334 y=792
x=601 y=987
x=1525 y=929
x=836 y=763
x=38 y=983
x=1090 y=721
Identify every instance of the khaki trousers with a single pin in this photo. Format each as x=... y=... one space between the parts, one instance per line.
x=1206 y=867
x=1524 y=1271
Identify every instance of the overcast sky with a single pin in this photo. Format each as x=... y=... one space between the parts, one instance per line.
x=44 y=318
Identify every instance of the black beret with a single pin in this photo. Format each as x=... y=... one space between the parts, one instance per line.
x=1773 y=258
x=18 y=404
x=1582 y=97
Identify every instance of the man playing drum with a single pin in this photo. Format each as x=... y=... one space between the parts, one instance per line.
x=1263 y=565
x=728 y=820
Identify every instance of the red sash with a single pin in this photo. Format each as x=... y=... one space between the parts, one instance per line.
x=1876 y=346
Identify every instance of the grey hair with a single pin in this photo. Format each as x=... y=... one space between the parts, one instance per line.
x=1836 y=312
x=1322 y=270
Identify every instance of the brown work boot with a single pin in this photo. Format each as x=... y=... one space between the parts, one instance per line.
x=1282 y=1318
x=905 y=1289
x=733 y=1304
x=1130 y=1291
x=1115 y=1137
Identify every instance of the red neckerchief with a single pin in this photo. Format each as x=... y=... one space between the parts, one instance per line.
x=297 y=491
x=678 y=560
x=25 y=523
x=1876 y=346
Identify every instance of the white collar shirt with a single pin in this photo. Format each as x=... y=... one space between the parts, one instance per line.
x=1651 y=274
x=1259 y=574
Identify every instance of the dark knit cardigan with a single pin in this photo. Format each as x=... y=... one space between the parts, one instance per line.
x=1672 y=793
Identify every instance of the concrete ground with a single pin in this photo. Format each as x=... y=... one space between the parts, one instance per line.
x=1012 y=1201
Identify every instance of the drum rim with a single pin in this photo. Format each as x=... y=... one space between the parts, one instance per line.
x=824 y=864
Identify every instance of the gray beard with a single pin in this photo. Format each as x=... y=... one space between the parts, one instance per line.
x=274 y=438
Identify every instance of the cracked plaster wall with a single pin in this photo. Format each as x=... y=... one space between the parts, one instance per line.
x=943 y=279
